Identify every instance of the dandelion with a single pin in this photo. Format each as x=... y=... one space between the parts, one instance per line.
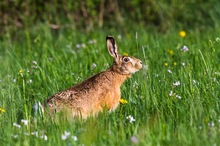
x=170 y=52
x=2 y=110
x=174 y=63
x=74 y=138
x=182 y=34
x=20 y=71
x=185 y=49
x=125 y=54
x=65 y=135
x=130 y=119
x=25 y=122
x=166 y=64
x=16 y=125
x=176 y=83
x=169 y=71
x=123 y=101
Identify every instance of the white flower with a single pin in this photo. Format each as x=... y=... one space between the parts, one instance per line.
x=30 y=81
x=214 y=79
x=74 y=138
x=176 y=83
x=15 y=136
x=44 y=137
x=35 y=133
x=65 y=135
x=145 y=67
x=171 y=93
x=119 y=36
x=194 y=81
x=92 y=41
x=16 y=125
x=80 y=46
x=34 y=62
x=27 y=134
x=177 y=96
x=134 y=140
x=174 y=94
x=14 y=80
x=185 y=49
x=130 y=118
x=93 y=66
x=25 y=122
x=135 y=84
x=169 y=71
x=211 y=124
x=183 y=64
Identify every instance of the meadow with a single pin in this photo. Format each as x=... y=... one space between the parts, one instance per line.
x=173 y=100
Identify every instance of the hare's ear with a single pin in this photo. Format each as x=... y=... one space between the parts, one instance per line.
x=112 y=47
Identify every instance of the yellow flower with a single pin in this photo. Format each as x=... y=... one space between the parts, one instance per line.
x=166 y=64
x=123 y=101
x=174 y=63
x=182 y=33
x=125 y=54
x=170 y=52
x=2 y=110
x=20 y=71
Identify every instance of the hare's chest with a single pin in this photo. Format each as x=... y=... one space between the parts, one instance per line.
x=112 y=99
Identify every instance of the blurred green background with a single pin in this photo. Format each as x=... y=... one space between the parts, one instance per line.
x=91 y=14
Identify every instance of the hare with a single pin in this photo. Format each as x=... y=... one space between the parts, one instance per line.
x=99 y=91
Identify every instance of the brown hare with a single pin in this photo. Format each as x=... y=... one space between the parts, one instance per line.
x=99 y=91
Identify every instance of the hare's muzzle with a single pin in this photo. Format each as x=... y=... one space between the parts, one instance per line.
x=138 y=64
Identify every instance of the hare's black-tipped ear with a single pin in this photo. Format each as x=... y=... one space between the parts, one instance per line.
x=112 y=47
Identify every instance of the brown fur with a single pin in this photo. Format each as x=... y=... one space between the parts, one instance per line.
x=99 y=91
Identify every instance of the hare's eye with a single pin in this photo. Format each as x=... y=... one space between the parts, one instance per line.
x=126 y=59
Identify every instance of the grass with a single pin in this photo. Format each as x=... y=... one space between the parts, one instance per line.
x=38 y=62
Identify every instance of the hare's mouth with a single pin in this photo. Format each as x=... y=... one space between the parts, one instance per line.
x=138 y=65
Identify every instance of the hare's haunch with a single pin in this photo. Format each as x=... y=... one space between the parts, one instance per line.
x=99 y=91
